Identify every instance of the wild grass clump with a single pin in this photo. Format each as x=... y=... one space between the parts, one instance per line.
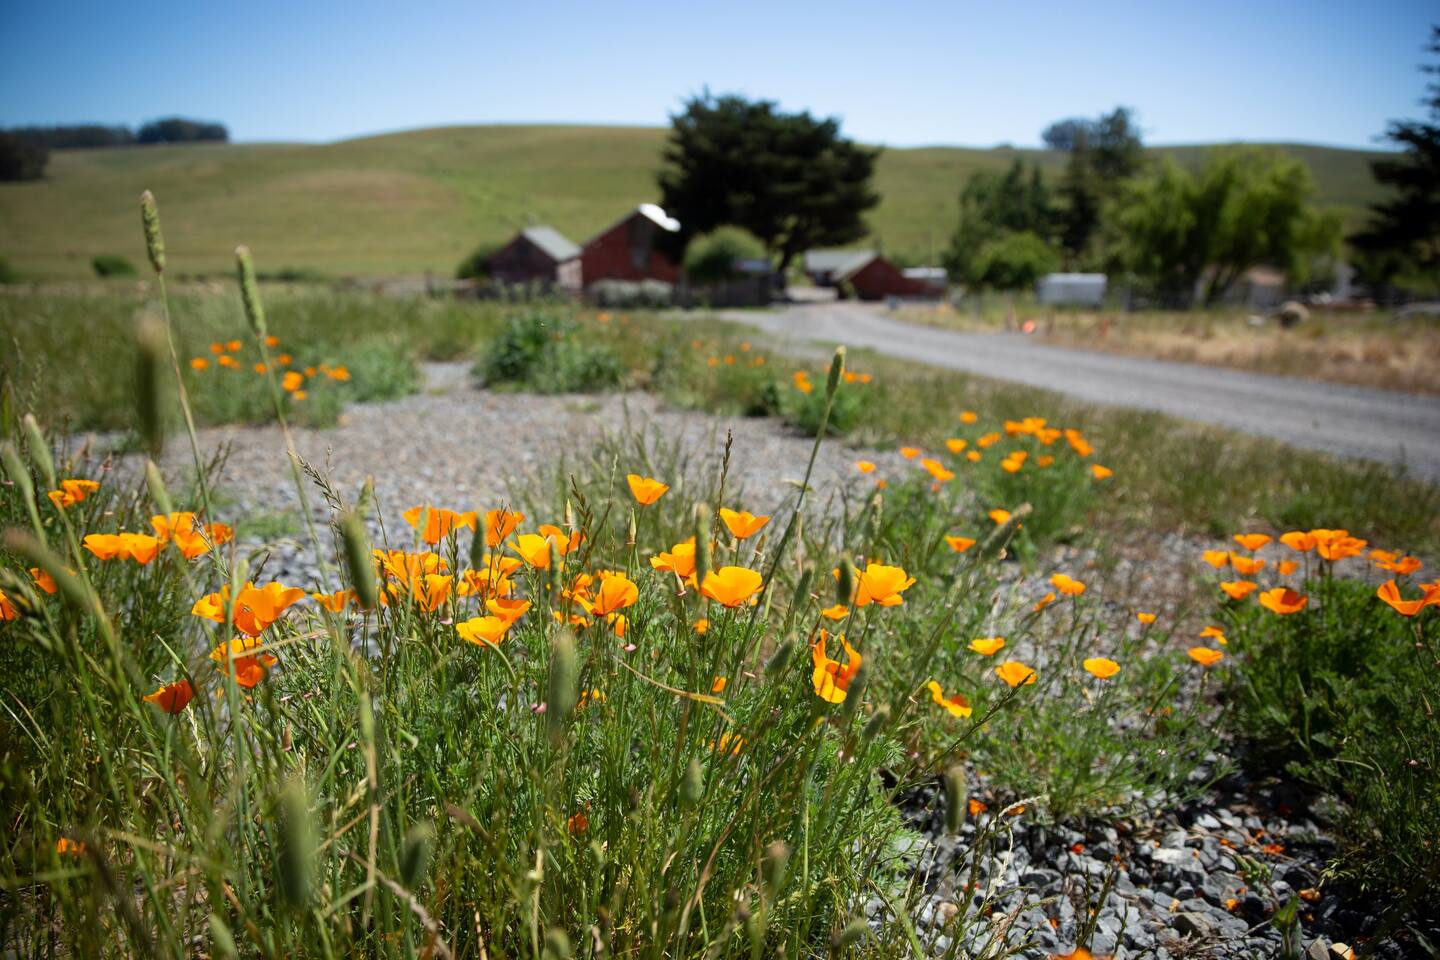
x=546 y=351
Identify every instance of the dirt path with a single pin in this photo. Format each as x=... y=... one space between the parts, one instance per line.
x=1380 y=425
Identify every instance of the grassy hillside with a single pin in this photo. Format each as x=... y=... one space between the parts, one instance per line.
x=421 y=200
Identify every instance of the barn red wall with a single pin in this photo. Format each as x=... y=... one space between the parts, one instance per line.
x=880 y=278
x=608 y=257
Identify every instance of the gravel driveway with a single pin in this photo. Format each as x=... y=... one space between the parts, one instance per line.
x=1380 y=425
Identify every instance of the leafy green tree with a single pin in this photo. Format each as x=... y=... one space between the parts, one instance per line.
x=1014 y=261
x=711 y=257
x=993 y=205
x=788 y=178
x=1402 y=238
x=21 y=158
x=1103 y=153
x=1245 y=208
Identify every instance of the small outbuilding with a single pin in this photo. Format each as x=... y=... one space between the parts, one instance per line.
x=1078 y=289
x=626 y=250
x=868 y=276
x=538 y=255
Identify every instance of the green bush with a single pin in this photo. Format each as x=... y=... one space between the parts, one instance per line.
x=112 y=265
x=477 y=265
x=8 y=273
x=711 y=257
x=549 y=353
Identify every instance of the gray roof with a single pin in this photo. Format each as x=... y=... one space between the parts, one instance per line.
x=838 y=263
x=556 y=246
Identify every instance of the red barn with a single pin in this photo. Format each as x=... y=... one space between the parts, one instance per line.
x=626 y=250
x=538 y=255
x=866 y=273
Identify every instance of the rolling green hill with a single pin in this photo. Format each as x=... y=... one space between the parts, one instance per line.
x=420 y=200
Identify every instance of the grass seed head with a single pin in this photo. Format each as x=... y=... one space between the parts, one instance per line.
x=17 y=472
x=39 y=449
x=560 y=700
x=837 y=371
x=845 y=582
x=154 y=241
x=415 y=855
x=358 y=559
x=702 y=542
x=250 y=292
x=851 y=934
x=295 y=853
x=772 y=867
x=159 y=495
x=780 y=659
x=956 y=796
x=692 y=787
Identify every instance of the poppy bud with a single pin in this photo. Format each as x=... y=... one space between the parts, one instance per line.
x=150 y=222
x=39 y=449
x=222 y=941
x=150 y=347
x=415 y=855
x=780 y=659
x=561 y=697
x=158 y=494
x=702 y=542
x=295 y=849
x=837 y=370
x=955 y=798
x=877 y=504
x=802 y=583
x=692 y=787
x=632 y=529
x=358 y=559
x=250 y=292
x=845 y=582
x=878 y=720
x=366 y=498
x=772 y=867
x=851 y=934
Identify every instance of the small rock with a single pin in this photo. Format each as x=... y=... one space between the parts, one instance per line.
x=1192 y=924
x=1341 y=951
x=1319 y=949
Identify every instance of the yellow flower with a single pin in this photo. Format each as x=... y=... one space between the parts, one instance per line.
x=646 y=490
x=830 y=679
x=508 y=610
x=1252 y=541
x=483 y=631
x=909 y=453
x=731 y=586
x=838 y=612
x=742 y=523
x=1101 y=667
x=956 y=445
x=292 y=381
x=987 y=646
x=937 y=470
x=1283 y=600
x=968 y=416
x=864 y=466
x=616 y=592
x=72 y=492
x=1205 y=656
x=883 y=585
x=334 y=602
x=679 y=560
x=1101 y=473
x=1145 y=618
x=1238 y=589
x=1015 y=673
x=1001 y=517
x=956 y=706
x=139 y=547
x=1067 y=585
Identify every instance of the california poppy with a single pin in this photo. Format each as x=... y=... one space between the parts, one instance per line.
x=864 y=466
x=1205 y=656
x=499 y=524
x=968 y=416
x=43 y=580
x=959 y=544
x=438 y=523
x=1239 y=589
x=535 y=550
x=67 y=847
x=701 y=626
x=1101 y=473
x=616 y=592
x=1044 y=601
x=173 y=697
x=483 y=631
x=837 y=612
x=830 y=679
x=248 y=666
x=1000 y=517
x=1213 y=632
x=1298 y=540
x=987 y=646
x=731 y=586
x=883 y=585
x=1015 y=673
x=956 y=705
x=139 y=547
x=1283 y=600
x=507 y=609
x=1403 y=566
x=1145 y=618
x=72 y=492
x=1217 y=558
x=717 y=685
x=1246 y=566
x=1067 y=585
x=956 y=445
x=646 y=490
x=334 y=602
x=1287 y=567
x=1389 y=591
x=1252 y=541
x=989 y=440
x=8 y=610
x=679 y=560
x=1337 y=544
x=1101 y=667
x=742 y=523
x=937 y=469
x=909 y=453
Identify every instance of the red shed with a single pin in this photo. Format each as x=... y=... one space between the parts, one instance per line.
x=868 y=274
x=626 y=250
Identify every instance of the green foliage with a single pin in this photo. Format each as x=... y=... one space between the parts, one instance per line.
x=477 y=265
x=711 y=257
x=791 y=180
x=112 y=265
x=548 y=352
x=1102 y=154
x=1342 y=695
x=22 y=158
x=8 y=274
x=1013 y=261
x=181 y=130
x=993 y=206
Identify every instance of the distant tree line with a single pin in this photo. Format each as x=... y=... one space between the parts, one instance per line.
x=24 y=151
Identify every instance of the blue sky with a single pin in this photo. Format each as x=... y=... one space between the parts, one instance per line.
x=901 y=73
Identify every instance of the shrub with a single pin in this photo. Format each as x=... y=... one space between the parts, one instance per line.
x=112 y=265
x=21 y=158
x=629 y=295
x=711 y=257
x=477 y=265
x=8 y=273
x=548 y=353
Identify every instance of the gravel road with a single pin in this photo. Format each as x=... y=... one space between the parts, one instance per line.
x=1388 y=427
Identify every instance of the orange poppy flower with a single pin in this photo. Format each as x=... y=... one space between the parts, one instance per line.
x=292 y=381
x=483 y=631
x=1246 y=566
x=718 y=684
x=438 y=523
x=1101 y=473
x=937 y=469
x=67 y=847
x=1048 y=436
x=909 y=453
x=989 y=440
x=701 y=626
x=679 y=560
x=43 y=580
x=1217 y=558
x=8 y=610
x=1239 y=589
x=968 y=416
x=1337 y=544
x=959 y=544
x=1287 y=567
x=987 y=646
x=1252 y=541
x=1044 y=601
x=199 y=363
x=731 y=586
x=1298 y=540
x=1403 y=566
x=1001 y=517
x=340 y=374
x=334 y=602
x=535 y=550
x=1044 y=461
x=616 y=592
x=1205 y=656
x=957 y=706
x=247 y=666
x=139 y=547
x=233 y=345
x=1145 y=618
x=742 y=523
x=259 y=368
x=646 y=490
x=830 y=679
x=1079 y=953
x=217 y=348
x=1213 y=632
x=864 y=466
x=258 y=607
x=1067 y=585
x=72 y=492
x=802 y=381
x=731 y=743
x=173 y=697
x=564 y=543
x=499 y=524
x=508 y=610
x=973 y=456
x=1283 y=600
x=1389 y=591
x=1101 y=667
x=956 y=445
x=976 y=807
x=272 y=341
x=1015 y=673
x=883 y=585
x=1011 y=466
x=838 y=612
x=229 y=362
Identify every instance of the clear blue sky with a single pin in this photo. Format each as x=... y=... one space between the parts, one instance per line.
x=902 y=73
